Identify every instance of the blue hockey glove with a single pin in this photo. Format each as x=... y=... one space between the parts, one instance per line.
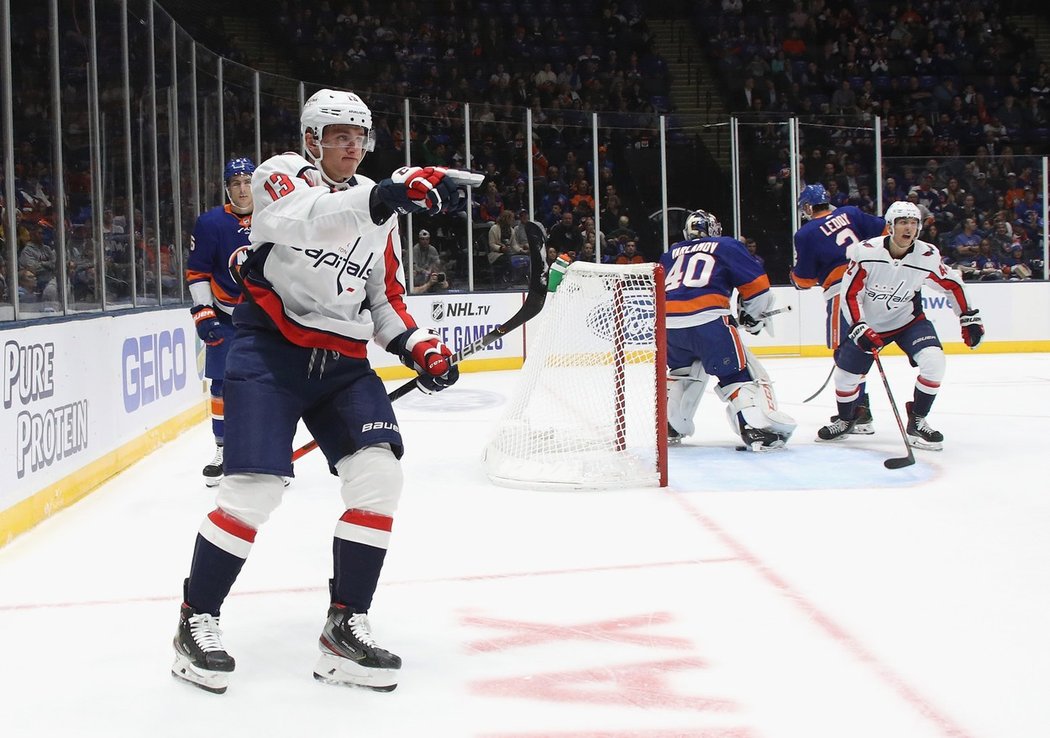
x=208 y=326
x=424 y=352
x=972 y=328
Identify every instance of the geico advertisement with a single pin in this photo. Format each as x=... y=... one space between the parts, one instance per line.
x=459 y=320
x=75 y=391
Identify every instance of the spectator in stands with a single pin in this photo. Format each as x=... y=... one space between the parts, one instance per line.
x=565 y=236
x=1001 y=238
x=965 y=244
x=501 y=247
x=985 y=265
x=433 y=281
x=490 y=204
x=425 y=257
x=752 y=248
x=630 y=254
x=1014 y=190
x=1016 y=266
x=39 y=259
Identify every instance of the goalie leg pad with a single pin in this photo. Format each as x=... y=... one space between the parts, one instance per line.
x=752 y=406
x=683 y=396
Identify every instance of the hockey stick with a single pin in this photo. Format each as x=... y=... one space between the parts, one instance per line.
x=529 y=309
x=826 y=380
x=775 y=311
x=897 y=462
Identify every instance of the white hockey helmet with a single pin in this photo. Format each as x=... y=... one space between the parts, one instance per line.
x=333 y=107
x=902 y=209
x=701 y=224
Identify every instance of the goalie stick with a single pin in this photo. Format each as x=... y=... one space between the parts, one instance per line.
x=896 y=462
x=530 y=308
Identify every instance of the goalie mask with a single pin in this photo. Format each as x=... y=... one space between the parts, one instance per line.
x=701 y=224
x=332 y=107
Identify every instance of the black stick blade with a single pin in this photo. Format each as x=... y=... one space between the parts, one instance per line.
x=899 y=463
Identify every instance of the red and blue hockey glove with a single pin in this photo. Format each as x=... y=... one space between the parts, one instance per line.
x=972 y=328
x=424 y=352
x=429 y=190
x=208 y=326
x=866 y=339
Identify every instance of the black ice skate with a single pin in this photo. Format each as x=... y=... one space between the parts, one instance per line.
x=673 y=437
x=837 y=430
x=200 y=658
x=920 y=434
x=863 y=425
x=213 y=471
x=350 y=656
x=756 y=439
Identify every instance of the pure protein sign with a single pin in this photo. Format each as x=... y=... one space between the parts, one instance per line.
x=44 y=432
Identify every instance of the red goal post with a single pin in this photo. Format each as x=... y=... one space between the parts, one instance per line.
x=590 y=408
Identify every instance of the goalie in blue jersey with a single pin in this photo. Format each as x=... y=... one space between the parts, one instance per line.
x=701 y=273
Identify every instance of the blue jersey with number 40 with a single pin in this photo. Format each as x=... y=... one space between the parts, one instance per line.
x=700 y=276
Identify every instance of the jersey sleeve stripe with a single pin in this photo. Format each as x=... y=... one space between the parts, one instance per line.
x=395 y=290
x=803 y=283
x=834 y=276
x=195 y=276
x=953 y=288
x=852 y=305
x=756 y=286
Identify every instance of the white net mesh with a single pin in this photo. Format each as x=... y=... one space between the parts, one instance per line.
x=587 y=409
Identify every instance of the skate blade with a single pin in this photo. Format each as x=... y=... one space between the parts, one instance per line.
x=214 y=481
x=215 y=682
x=342 y=672
x=836 y=439
x=863 y=429
x=924 y=444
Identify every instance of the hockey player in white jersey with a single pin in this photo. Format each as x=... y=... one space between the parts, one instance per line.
x=881 y=303
x=321 y=278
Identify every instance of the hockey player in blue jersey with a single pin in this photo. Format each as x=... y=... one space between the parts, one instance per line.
x=701 y=273
x=820 y=260
x=218 y=233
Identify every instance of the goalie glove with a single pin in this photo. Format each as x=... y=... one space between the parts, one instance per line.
x=972 y=328
x=208 y=326
x=866 y=339
x=752 y=326
x=428 y=190
x=423 y=351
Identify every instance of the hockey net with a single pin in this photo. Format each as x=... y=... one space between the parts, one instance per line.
x=590 y=411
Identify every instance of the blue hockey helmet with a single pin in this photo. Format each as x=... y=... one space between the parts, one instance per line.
x=813 y=195
x=240 y=165
x=701 y=224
